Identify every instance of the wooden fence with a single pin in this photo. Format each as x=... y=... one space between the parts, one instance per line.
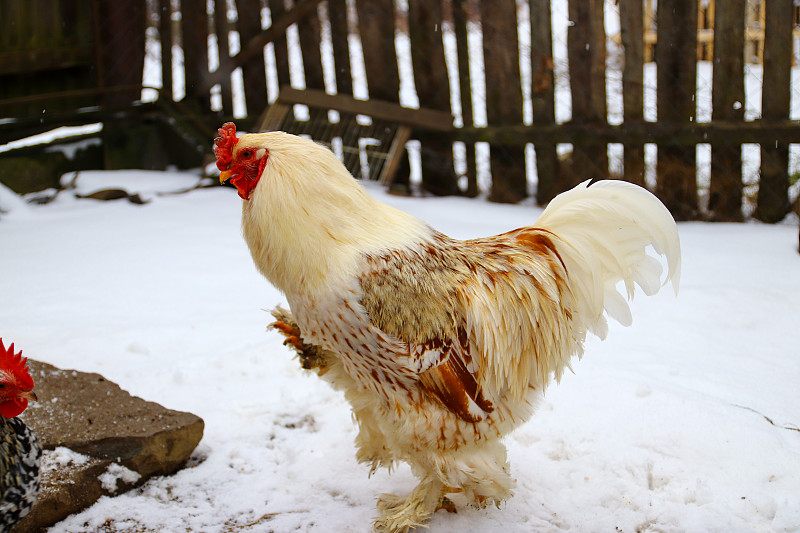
x=529 y=94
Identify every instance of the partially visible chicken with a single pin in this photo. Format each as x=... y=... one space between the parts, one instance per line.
x=20 y=454
x=441 y=346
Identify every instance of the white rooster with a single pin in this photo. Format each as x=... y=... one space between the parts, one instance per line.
x=441 y=346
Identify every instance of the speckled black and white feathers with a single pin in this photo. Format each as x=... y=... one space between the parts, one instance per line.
x=20 y=457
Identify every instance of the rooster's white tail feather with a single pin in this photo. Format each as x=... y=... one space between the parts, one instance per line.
x=606 y=228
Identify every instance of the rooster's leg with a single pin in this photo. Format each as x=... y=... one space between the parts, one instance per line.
x=399 y=514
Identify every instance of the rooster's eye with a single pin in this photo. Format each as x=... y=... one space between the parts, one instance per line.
x=246 y=154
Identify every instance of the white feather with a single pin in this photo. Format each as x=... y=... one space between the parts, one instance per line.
x=608 y=227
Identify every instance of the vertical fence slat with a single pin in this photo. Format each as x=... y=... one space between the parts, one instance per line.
x=586 y=46
x=631 y=16
x=503 y=96
x=460 y=22
x=308 y=29
x=676 y=67
x=773 y=190
x=254 y=75
x=280 y=45
x=194 y=27
x=725 y=193
x=122 y=32
x=337 y=14
x=165 y=35
x=221 y=27
x=543 y=95
x=433 y=90
x=376 y=21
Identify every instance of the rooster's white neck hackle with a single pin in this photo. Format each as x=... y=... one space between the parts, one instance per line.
x=308 y=220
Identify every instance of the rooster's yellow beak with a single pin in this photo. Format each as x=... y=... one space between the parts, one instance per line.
x=29 y=395
x=224 y=176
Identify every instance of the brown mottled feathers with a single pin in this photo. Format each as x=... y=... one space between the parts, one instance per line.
x=426 y=295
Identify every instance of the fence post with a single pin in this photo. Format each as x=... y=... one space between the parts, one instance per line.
x=543 y=97
x=586 y=45
x=725 y=193
x=308 y=29
x=337 y=14
x=165 y=37
x=433 y=90
x=280 y=45
x=676 y=67
x=460 y=23
x=253 y=73
x=503 y=96
x=221 y=28
x=631 y=17
x=376 y=24
x=194 y=26
x=773 y=188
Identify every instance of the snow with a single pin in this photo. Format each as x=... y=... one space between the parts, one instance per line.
x=116 y=473
x=62 y=457
x=686 y=421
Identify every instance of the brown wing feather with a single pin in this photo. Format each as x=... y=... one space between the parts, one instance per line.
x=455 y=386
x=412 y=295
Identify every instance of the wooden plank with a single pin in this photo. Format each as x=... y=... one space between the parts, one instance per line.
x=280 y=45
x=676 y=66
x=631 y=15
x=543 y=93
x=222 y=27
x=427 y=54
x=376 y=24
x=680 y=136
x=418 y=118
x=773 y=190
x=122 y=47
x=395 y=155
x=460 y=21
x=587 y=53
x=254 y=76
x=337 y=15
x=308 y=29
x=433 y=90
x=725 y=192
x=165 y=35
x=503 y=96
x=70 y=94
x=194 y=26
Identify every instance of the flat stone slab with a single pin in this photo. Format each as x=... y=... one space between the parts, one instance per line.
x=99 y=440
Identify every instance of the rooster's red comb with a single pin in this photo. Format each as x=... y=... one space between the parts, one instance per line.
x=223 y=145
x=15 y=364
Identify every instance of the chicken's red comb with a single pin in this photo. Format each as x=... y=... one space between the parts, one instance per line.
x=223 y=145
x=15 y=364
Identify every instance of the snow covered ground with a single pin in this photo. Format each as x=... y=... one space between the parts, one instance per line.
x=687 y=421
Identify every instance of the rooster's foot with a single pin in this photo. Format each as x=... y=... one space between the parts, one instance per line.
x=400 y=514
x=311 y=356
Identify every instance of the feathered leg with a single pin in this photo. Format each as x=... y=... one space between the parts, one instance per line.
x=399 y=514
